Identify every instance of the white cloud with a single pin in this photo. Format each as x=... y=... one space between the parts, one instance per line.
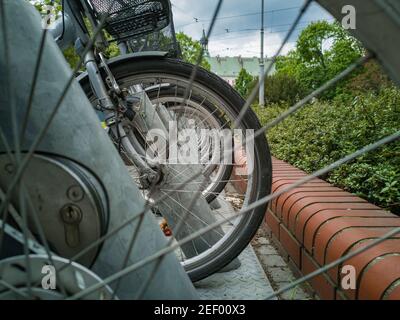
x=239 y=40
x=247 y=45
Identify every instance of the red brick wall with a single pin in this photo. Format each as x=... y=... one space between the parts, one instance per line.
x=318 y=223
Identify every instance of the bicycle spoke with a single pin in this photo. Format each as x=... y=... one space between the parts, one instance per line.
x=22 y=225
x=197 y=182
x=117 y=229
x=3 y=211
x=178 y=205
x=187 y=210
x=14 y=289
x=130 y=248
x=304 y=101
x=133 y=240
x=6 y=146
x=14 y=214
x=190 y=227
x=335 y=263
x=43 y=238
x=179 y=174
x=26 y=247
x=186 y=191
x=315 y=93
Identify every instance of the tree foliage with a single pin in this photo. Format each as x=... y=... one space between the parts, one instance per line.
x=322 y=51
x=242 y=83
x=40 y=4
x=191 y=50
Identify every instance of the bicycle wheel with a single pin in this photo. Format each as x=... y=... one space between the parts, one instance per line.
x=211 y=104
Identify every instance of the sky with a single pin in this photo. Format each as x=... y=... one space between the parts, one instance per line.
x=237 y=30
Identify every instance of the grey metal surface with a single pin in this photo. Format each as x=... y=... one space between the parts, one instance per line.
x=83 y=77
x=67 y=28
x=76 y=133
x=248 y=282
x=245 y=280
x=90 y=204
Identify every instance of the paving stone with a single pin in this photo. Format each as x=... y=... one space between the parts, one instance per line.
x=266 y=250
x=281 y=274
x=277 y=269
x=295 y=294
x=262 y=240
x=273 y=260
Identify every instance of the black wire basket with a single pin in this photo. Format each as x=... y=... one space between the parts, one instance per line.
x=163 y=40
x=145 y=25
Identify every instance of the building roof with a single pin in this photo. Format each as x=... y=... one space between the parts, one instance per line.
x=231 y=66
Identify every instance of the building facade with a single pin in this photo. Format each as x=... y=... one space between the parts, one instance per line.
x=228 y=68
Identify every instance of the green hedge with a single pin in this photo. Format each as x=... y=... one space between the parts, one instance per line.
x=324 y=132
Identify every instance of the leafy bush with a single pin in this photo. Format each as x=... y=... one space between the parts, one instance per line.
x=322 y=133
x=283 y=88
x=279 y=88
x=358 y=111
x=370 y=78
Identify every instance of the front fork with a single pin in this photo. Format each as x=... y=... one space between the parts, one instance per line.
x=125 y=106
x=97 y=83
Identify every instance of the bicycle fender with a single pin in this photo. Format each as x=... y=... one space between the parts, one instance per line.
x=83 y=77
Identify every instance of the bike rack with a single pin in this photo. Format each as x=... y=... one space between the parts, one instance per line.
x=75 y=133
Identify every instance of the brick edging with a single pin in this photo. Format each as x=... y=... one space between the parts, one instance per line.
x=318 y=223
